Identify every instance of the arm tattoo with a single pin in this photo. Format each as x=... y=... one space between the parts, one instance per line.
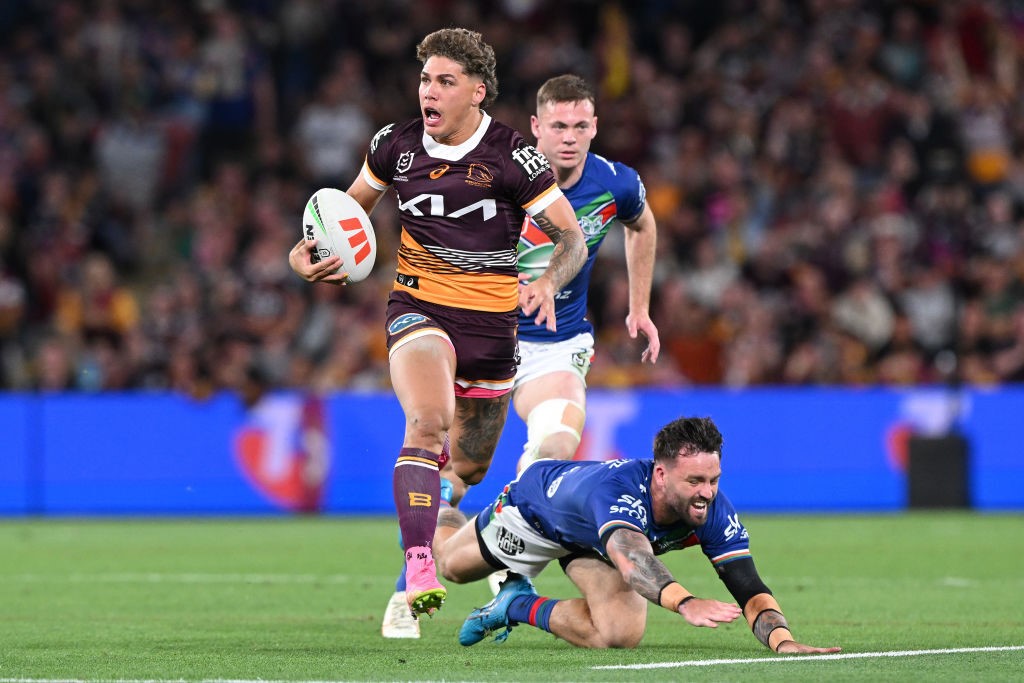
x=644 y=572
x=570 y=251
x=480 y=423
x=767 y=621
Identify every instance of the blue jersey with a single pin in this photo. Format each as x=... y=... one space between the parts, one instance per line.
x=607 y=190
x=577 y=504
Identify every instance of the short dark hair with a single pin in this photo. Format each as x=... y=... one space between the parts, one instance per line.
x=468 y=49
x=687 y=436
x=565 y=88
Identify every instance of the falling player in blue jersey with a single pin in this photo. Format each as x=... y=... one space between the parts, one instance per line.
x=606 y=523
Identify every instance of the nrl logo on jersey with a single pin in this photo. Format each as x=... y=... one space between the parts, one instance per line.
x=531 y=161
x=381 y=134
x=404 y=162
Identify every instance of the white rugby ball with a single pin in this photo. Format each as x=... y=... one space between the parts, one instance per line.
x=340 y=226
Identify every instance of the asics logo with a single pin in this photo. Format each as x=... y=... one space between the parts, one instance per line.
x=439 y=171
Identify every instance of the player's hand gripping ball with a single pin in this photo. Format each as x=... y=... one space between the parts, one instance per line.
x=340 y=226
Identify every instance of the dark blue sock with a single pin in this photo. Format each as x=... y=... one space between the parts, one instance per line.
x=534 y=610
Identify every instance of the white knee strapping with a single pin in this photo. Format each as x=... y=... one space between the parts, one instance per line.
x=547 y=418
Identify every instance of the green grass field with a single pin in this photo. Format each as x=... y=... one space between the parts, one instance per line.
x=301 y=599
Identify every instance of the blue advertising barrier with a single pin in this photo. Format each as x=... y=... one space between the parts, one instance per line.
x=786 y=450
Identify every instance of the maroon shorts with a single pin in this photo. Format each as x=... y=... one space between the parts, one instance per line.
x=486 y=352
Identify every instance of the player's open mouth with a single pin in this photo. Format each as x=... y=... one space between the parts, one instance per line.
x=431 y=115
x=700 y=506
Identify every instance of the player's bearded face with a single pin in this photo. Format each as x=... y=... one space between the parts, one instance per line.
x=692 y=485
x=447 y=99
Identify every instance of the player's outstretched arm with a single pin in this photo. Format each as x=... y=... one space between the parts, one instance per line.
x=559 y=223
x=641 y=243
x=632 y=554
x=770 y=627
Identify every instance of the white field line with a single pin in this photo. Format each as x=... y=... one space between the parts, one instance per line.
x=811 y=658
x=662 y=665
x=186 y=578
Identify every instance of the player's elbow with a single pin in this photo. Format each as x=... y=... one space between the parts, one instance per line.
x=471 y=473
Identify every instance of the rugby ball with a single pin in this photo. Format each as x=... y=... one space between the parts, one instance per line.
x=340 y=226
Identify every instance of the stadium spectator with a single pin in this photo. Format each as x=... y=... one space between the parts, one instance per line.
x=606 y=523
x=452 y=314
x=97 y=305
x=237 y=87
x=332 y=129
x=53 y=365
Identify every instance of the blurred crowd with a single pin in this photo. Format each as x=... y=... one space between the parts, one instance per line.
x=838 y=184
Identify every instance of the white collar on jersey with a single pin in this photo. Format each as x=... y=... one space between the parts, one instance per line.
x=455 y=152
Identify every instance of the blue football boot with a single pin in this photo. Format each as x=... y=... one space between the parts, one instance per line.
x=494 y=615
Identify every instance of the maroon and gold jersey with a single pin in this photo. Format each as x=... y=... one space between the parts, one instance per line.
x=462 y=209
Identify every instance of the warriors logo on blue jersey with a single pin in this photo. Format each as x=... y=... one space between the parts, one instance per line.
x=405 y=320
